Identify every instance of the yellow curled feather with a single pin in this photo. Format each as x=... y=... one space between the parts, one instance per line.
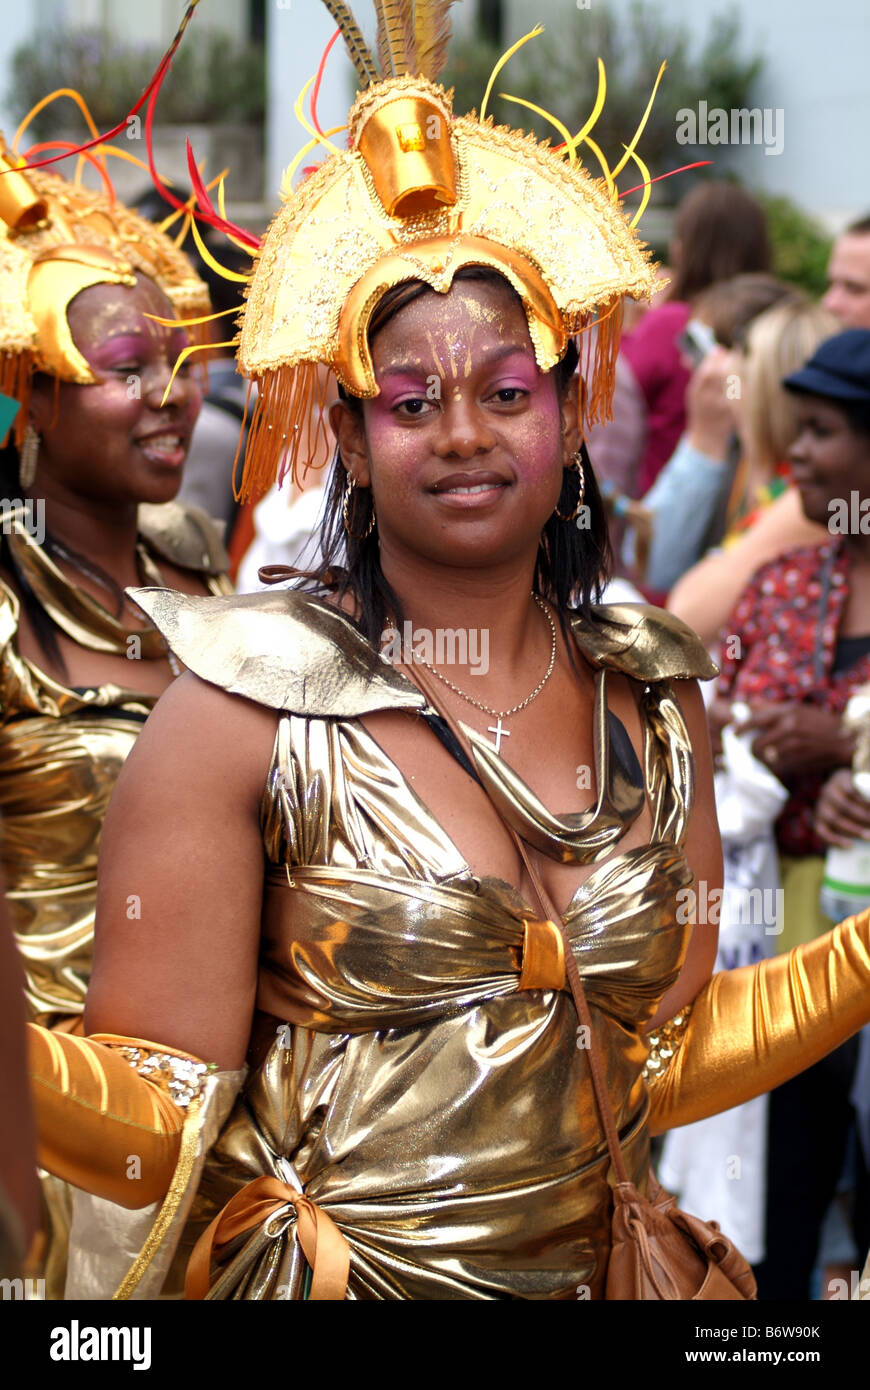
x=629 y=148
x=647 y=188
x=210 y=260
x=187 y=352
x=306 y=124
x=599 y=104
x=554 y=120
x=532 y=34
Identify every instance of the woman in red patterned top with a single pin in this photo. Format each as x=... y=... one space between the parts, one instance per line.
x=798 y=642
x=789 y=653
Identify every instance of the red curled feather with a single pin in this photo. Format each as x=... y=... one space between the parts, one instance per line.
x=156 y=81
x=207 y=210
x=315 y=93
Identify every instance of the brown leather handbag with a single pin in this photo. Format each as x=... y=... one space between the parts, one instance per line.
x=661 y=1252
x=657 y=1250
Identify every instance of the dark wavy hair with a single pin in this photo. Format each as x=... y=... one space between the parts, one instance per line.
x=572 y=564
x=44 y=628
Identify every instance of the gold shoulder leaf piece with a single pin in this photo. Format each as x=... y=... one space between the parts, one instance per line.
x=645 y=642
x=184 y=535
x=282 y=648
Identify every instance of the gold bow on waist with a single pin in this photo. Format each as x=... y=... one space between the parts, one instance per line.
x=323 y=1244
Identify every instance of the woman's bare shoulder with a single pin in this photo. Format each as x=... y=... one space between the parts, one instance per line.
x=199 y=732
x=181 y=849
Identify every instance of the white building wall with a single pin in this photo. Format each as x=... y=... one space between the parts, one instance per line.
x=296 y=34
x=146 y=21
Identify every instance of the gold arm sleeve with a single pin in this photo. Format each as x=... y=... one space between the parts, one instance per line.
x=109 y=1111
x=753 y=1028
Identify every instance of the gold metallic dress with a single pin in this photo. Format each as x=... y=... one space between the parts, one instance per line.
x=440 y=1114
x=61 y=750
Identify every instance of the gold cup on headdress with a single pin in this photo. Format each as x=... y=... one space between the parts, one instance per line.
x=405 y=142
x=21 y=207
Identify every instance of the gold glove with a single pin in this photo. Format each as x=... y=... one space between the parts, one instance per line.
x=753 y=1028
x=110 y=1110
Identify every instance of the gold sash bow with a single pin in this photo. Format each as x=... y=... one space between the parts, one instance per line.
x=323 y=1244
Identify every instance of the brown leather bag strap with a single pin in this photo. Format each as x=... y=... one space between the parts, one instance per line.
x=596 y=1069
x=599 y=1084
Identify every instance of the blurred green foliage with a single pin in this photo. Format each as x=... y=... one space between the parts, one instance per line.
x=800 y=248
x=212 y=80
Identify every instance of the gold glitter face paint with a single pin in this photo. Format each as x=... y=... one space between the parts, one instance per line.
x=464 y=340
x=439 y=368
x=485 y=313
x=106 y=320
x=116 y=439
x=476 y=465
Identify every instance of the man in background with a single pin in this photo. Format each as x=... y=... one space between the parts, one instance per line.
x=848 y=294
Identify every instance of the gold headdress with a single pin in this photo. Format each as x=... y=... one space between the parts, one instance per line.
x=418 y=194
x=57 y=238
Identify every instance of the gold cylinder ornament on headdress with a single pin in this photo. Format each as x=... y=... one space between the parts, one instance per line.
x=406 y=146
x=21 y=207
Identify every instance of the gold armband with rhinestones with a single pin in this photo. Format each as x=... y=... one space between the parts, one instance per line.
x=179 y=1076
x=664 y=1043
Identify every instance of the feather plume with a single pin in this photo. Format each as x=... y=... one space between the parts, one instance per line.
x=356 y=45
x=432 y=34
x=395 y=37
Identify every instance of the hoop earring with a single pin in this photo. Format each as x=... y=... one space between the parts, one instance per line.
x=345 y=508
x=576 y=462
x=27 y=458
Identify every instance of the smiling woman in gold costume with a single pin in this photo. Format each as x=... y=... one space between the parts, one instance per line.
x=87 y=487
x=331 y=891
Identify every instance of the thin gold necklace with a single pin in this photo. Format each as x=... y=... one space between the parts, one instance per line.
x=498 y=729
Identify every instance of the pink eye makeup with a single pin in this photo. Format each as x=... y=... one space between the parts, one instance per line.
x=134 y=349
x=400 y=387
x=515 y=373
x=523 y=387
x=115 y=352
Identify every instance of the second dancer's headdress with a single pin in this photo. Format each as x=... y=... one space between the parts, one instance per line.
x=57 y=238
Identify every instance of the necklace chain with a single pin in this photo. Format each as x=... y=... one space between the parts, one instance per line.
x=145 y=563
x=503 y=713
